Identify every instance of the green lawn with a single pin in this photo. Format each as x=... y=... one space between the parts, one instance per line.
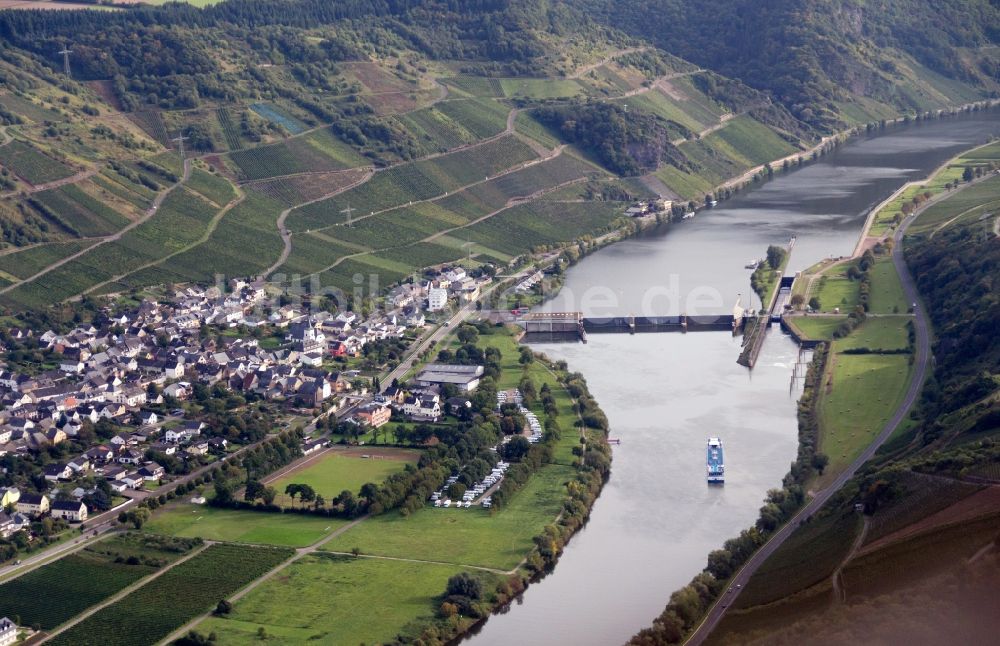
x=881 y=333
x=211 y=523
x=334 y=473
x=511 y=374
x=815 y=327
x=865 y=391
x=471 y=536
x=887 y=295
x=835 y=290
x=329 y=599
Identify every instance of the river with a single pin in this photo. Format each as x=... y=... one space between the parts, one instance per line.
x=664 y=394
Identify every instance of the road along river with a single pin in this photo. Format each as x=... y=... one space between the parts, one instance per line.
x=664 y=394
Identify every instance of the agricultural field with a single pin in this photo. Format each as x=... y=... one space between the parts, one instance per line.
x=55 y=593
x=480 y=118
x=28 y=108
x=526 y=125
x=333 y=473
x=921 y=496
x=541 y=88
x=151 y=122
x=315 y=152
x=276 y=115
x=414 y=182
x=476 y=85
x=473 y=536
x=31 y=165
x=808 y=557
x=860 y=393
x=182 y=218
x=211 y=186
x=688 y=186
x=658 y=103
x=185 y=591
x=211 y=523
x=306 y=188
x=26 y=263
x=311 y=254
x=244 y=243
x=524 y=227
x=749 y=141
x=77 y=212
x=973 y=201
x=324 y=598
x=230 y=131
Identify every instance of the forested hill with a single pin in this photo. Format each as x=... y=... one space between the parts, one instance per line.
x=814 y=55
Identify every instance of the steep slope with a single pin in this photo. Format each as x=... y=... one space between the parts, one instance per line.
x=815 y=56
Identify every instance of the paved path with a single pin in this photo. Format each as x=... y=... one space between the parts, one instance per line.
x=921 y=361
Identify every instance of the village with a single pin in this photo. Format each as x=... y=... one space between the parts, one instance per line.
x=140 y=396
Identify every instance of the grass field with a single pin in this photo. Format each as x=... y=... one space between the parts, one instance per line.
x=835 y=290
x=471 y=536
x=881 y=333
x=887 y=295
x=815 y=327
x=334 y=473
x=331 y=599
x=860 y=393
x=202 y=521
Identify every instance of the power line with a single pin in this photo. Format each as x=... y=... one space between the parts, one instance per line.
x=65 y=54
x=180 y=139
x=348 y=212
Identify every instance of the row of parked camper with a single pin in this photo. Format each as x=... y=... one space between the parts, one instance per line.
x=496 y=475
x=515 y=397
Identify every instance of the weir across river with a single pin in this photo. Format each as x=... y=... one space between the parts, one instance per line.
x=576 y=324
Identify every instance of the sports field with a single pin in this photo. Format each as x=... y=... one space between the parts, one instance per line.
x=333 y=472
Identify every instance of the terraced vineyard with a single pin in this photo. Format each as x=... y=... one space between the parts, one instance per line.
x=229 y=130
x=31 y=165
x=924 y=495
x=522 y=228
x=187 y=590
x=151 y=122
x=310 y=254
x=29 y=262
x=421 y=180
x=285 y=158
x=77 y=212
x=449 y=124
x=477 y=85
x=215 y=188
x=27 y=108
x=181 y=219
x=55 y=593
x=136 y=194
x=304 y=188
